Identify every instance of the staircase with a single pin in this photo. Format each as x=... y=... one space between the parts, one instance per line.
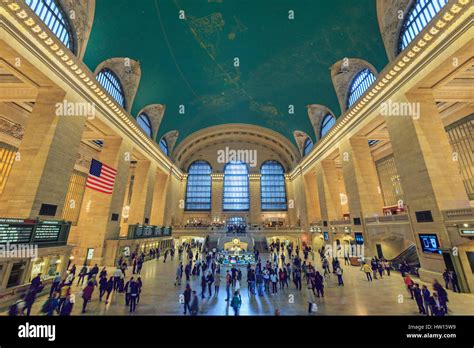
x=410 y=255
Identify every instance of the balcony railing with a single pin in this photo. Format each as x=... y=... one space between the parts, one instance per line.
x=387 y=219
x=340 y=222
x=459 y=214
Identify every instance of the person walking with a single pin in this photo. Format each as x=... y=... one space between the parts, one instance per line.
x=82 y=275
x=187 y=296
x=55 y=284
x=339 y=271
x=179 y=274
x=319 y=284
x=102 y=287
x=203 y=285
x=367 y=270
x=426 y=299
x=194 y=304
x=87 y=295
x=210 y=281
x=108 y=288
x=274 y=280
x=409 y=284
x=127 y=290
x=117 y=276
x=67 y=306
x=442 y=295
x=417 y=294
x=453 y=278
x=134 y=289
x=228 y=283
x=217 y=283
x=236 y=303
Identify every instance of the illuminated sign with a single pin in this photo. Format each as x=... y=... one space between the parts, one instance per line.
x=430 y=244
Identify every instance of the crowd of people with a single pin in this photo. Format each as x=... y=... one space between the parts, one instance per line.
x=61 y=299
x=198 y=265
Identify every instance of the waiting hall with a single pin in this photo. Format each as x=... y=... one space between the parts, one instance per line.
x=236 y=158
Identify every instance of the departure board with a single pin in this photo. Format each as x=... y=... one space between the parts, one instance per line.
x=48 y=231
x=16 y=230
x=148 y=231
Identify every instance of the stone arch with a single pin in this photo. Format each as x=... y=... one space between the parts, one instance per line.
x=316 y=114
x=204 y=143
x=300 y=138
x=129 y=73
x=388 y=16
x=342 y=74
x=155 y=113
x=171 y=137
x=81 y=17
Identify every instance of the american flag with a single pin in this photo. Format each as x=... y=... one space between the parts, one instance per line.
x=101 y=177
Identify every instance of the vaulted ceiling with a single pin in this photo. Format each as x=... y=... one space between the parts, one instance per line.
x=190 y=62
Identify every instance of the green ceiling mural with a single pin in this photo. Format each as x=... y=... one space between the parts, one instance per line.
x=192 y=62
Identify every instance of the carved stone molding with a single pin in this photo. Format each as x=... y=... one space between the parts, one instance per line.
x=342 y=74
x=316 y=114
x=81 y=17
x=11 y=128
x=129 y=73
x=300 y=138
x=171 y=138
x=391 y=15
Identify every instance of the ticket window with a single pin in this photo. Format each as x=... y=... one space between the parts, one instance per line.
x=37 y=267
x=16 y=274
x=54 y=266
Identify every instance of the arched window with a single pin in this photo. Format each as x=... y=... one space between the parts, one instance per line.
x=145 y=123
x=308 y=145
x=236 y=187
x=328 y=121
x=421 y=13
x=112 y=85
x=55 y=19
x=198 y=187
x=272 y=187
x=360 y=83
x=164 y=146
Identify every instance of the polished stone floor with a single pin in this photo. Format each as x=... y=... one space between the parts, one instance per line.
x=358 y=297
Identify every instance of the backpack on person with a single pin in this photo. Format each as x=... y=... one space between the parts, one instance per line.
x=45 y=308
x=13 y=311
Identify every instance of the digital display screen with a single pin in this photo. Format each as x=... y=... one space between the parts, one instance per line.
x=48 y=231
x=15 y=232
x=359 y=238
x=326 y=236
x=429 y=243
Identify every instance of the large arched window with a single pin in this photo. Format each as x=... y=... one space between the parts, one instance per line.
x=308 y=145
x=112 y=85
x=164 y=146
x=328 y=121
x=272 y=187
x=198 y=188
x=236 y=187
x=55 y=19
x=421 y=13
x=145 y=123
x=360 y=83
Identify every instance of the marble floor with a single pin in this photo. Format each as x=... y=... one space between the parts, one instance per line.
x=358 y=297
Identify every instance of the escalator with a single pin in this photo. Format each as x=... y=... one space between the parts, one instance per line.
x=410 y=256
